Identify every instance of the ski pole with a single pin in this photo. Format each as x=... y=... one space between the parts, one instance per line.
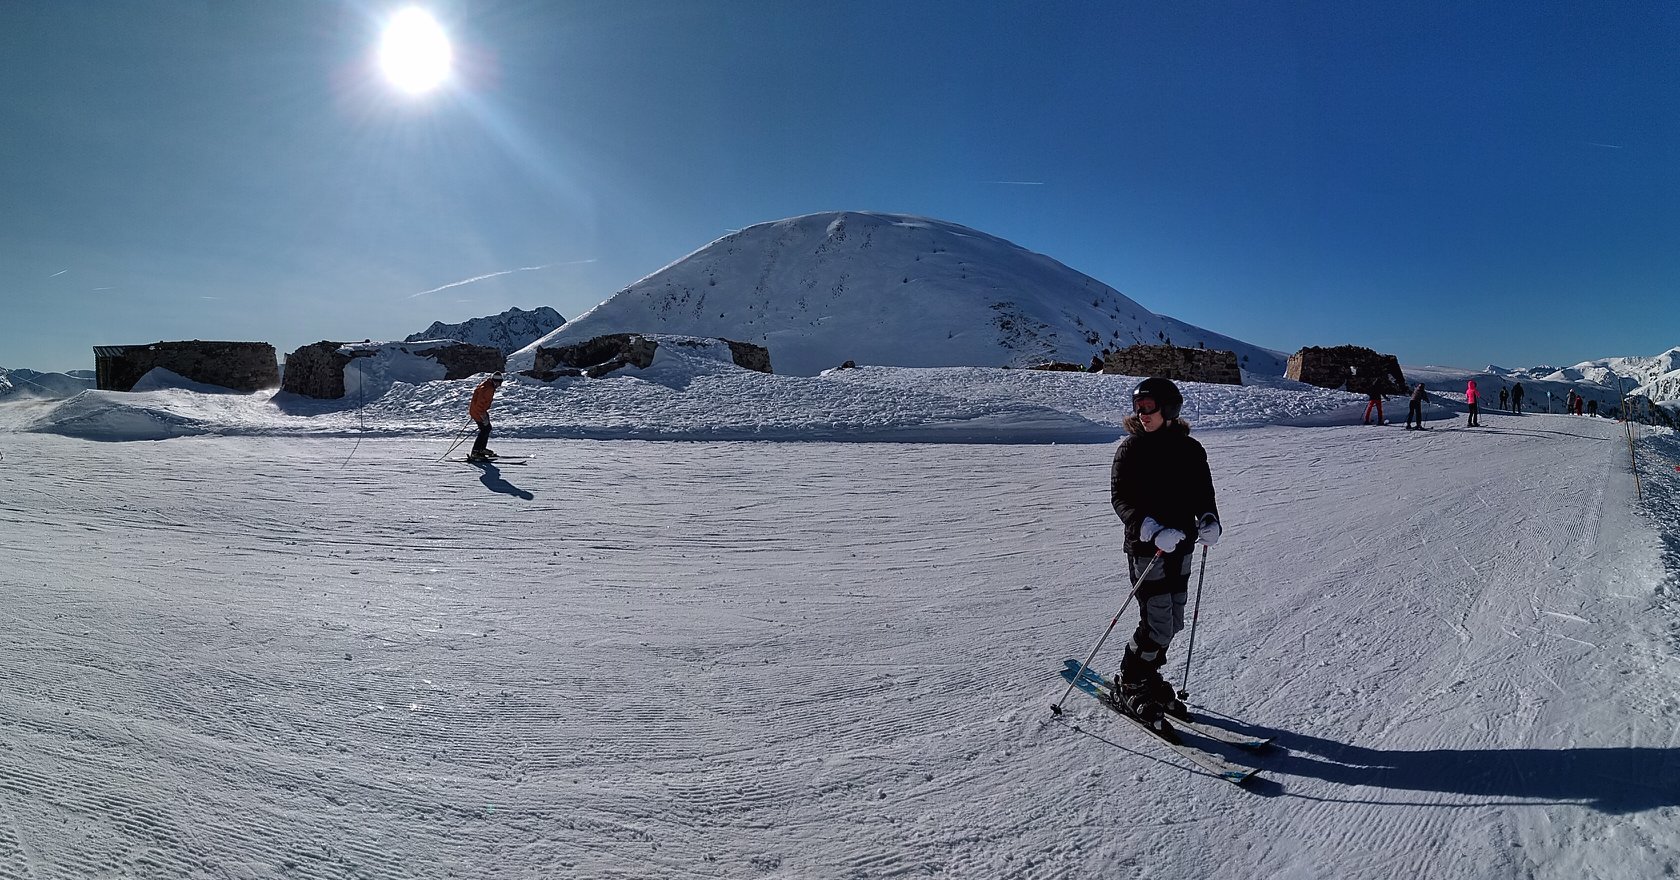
x=1056 y=707
x=1184 y=683
x=458 y=440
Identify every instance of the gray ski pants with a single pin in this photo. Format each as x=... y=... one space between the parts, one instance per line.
x=1160 y=603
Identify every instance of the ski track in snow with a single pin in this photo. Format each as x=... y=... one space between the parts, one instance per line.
x=248 y=658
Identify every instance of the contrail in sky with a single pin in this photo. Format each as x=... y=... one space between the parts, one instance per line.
x=1018 y=182
x=58 y=273
x=1606 y=146
x=494 y=275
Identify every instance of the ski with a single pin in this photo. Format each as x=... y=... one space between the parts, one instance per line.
x=503 y=460
x=1218 y=765
x=1200 y=727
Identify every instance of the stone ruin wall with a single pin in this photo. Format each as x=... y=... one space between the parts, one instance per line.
x=1176 y=363
x=462 y=359
x=1350 y=366
x=240 y=366
x=317 y=370
x=599 y=356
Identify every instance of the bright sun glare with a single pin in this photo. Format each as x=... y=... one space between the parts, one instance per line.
x=414 y=51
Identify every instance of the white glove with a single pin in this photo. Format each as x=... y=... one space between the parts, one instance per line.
x=1207 y=530
x=1166 y=540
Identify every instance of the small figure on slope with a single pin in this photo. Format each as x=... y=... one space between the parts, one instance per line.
x=1414 y=411
x=1471 y=398
x=1375 y=398
x=1162 y=490
x=479 y=409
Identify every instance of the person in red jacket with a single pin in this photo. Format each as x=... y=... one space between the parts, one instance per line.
x=479 y=409
x=1471 y=398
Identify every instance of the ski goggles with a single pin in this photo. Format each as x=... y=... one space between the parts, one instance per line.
x=1145 y=406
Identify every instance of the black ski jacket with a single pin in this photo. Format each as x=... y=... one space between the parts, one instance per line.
x=1161 y=475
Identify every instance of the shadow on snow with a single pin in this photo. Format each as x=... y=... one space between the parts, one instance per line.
x=494 y=481
x=1612 y=780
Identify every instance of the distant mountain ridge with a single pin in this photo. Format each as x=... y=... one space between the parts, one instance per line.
x=508 y=332
x=1655 y=378
x=887 y=289
x=21 y=383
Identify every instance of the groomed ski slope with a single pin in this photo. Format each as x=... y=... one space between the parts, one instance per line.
x=248 y=657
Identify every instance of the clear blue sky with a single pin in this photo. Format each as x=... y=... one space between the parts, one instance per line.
x=1458 y=183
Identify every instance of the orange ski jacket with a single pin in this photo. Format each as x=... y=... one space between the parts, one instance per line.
x=482 y=395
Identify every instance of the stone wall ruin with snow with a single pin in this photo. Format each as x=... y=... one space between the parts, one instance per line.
x=319 y=370
x=1347 y=366
x=240 y=366
x=603 y=354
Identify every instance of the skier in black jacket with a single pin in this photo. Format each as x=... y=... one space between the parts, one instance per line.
x=1162 y=489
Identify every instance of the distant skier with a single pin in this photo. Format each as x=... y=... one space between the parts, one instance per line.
x=1414 y=410
x=1162 y=490
x=479 y=409
x=1504 y=399
x=1375 y=398
x=1470 y=397
x=1516 y=398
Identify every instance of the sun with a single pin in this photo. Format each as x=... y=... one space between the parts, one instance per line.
x=414 y=51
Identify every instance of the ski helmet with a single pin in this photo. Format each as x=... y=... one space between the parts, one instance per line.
x=1163 y=392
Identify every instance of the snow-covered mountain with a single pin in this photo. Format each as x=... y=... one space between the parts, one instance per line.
x=1655 y=378
x=823 y=289
x=20 y=383
x=509 y=331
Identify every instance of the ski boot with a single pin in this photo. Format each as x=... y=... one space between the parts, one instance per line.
x=1137 y=699
x=1164 y=693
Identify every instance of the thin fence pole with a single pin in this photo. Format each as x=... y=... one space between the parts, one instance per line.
x=1633 y=461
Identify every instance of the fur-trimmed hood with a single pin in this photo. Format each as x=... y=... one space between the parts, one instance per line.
x=1134 y=426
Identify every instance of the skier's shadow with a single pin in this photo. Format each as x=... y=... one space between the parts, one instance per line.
x=1610 y=780
x=493 y=480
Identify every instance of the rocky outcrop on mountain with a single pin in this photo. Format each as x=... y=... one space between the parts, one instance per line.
x=507 y=332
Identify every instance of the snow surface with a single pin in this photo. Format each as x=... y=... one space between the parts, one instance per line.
x=309 y=649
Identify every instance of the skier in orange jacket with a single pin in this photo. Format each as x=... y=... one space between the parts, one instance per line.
x=482 y=397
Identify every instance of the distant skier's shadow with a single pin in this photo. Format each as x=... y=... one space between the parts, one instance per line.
x=492 y=480
x=1610 y=780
